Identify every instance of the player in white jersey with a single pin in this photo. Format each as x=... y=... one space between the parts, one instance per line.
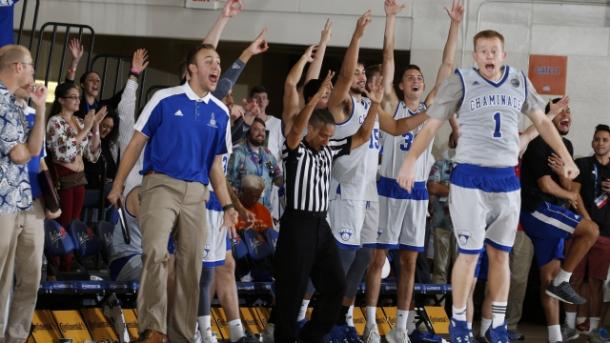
x=402 y=215
x=484 y=195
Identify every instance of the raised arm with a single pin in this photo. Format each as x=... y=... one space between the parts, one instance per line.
x=392 y=8
x=338 y=98
x=230 y=76
x=364 y=132
x=126 y=108
x=76 y=51
x=456 y=14
x=302 y=119
x=291 y=100
x=313 y=72
x=231 y=8
x=531 y=132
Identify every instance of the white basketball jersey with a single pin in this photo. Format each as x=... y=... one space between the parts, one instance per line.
x=489 y=118
x=275 y=137
x=395 y=148
x=354 y=175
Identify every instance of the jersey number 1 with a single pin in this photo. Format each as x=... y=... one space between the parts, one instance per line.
x=498 y=120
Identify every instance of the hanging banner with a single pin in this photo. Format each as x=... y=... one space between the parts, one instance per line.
x=202 y=4
x=548 y=74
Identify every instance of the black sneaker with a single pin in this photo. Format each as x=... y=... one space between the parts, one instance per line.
x=564 y=292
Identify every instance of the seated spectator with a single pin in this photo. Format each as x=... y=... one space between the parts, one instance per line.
x=253 y=158
x=69 y=139
x=250 y=192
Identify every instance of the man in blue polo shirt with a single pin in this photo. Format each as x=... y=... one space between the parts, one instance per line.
x=185 y=130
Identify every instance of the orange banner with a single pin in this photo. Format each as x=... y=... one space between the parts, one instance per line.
x=549 y=73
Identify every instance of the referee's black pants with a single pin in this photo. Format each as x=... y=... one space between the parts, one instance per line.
x=306 y=249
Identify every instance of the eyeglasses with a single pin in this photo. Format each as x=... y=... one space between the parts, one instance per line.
x=74 y=97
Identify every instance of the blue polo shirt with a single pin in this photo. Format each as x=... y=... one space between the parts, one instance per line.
x=185 y=133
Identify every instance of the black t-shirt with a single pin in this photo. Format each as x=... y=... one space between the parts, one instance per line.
x=592 y=173
x=534 y=165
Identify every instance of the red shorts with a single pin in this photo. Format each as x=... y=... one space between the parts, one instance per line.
x=596 y=262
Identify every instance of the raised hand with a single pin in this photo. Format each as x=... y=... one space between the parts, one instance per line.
x=38 y=94
x=457 y=11
x=259 y=44
x=139 y=61
x=362 y=22
x=232 y=8
x=376 y=91
x=76 y=48
x=100 y=115
x=310 y=53
x=327 y=31
x=327 y=85
x=559 y=106
x=89 y=120
x=392 y=8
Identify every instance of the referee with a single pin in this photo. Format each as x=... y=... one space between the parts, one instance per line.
x=306 y=247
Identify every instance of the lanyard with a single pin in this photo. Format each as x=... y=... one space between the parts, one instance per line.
x=257 y=159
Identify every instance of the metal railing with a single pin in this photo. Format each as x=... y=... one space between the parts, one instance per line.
x=114 y=72
x=66 y=29
x=24 y=10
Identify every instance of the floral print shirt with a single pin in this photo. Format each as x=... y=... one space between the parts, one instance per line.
x=61 y=141
x=15 y=190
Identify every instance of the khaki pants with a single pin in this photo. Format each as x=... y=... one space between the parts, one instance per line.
x=445 y=253
x=21 y=262
x=520 y=263
x=177 y=207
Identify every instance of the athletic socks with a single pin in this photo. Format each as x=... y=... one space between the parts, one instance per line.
x=371 y=312
x=303 y=310
x=571 y=320
x=485 y=324
x=401 y=319
x=498 y=313
x=459 y=313
x=554 y=332
x=236 y=330
x=349 y=317
x=205 y=325
x=561 y=277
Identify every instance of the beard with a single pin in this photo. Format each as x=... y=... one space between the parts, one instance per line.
x=255 y=142
x=358 y=90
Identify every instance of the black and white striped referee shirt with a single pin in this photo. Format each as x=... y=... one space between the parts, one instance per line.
x=308 y=173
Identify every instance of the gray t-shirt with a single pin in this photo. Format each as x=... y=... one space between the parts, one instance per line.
x=488 y=114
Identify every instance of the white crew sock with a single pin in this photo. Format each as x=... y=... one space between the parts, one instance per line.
x=593 y=323
x=371 y=312
x=459 y=313
x=303 y=310
x=349 y=316
x=205 y=325
x=498 y=313
x=401 y=319
x=561 y=277
x=554 y=332
x=485 y=324
x=236 y=330
x=571 y=320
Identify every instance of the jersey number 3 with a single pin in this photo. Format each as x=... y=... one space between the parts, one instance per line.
x=374 y=141
x=498 y=126
x=406 y=145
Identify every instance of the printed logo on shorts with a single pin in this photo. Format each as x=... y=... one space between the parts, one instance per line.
x=206 y=251
x=463 y=237
x=346 y=234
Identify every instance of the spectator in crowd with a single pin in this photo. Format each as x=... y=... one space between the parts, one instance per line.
x=445 y=250
x=69 y=140
x=252 y=188
x=253 y=158
x=21 y=220
x=104 y=169
x=90 y=82
x=594 y=185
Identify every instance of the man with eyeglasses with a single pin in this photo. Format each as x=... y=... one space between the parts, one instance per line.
x=21 y=221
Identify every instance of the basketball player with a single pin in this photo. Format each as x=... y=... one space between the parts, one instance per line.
x=485 y=193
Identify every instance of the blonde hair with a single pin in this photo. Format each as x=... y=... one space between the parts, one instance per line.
x=487 y=34
x=12 y=53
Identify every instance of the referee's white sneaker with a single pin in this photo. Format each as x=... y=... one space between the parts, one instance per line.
x=397 y=335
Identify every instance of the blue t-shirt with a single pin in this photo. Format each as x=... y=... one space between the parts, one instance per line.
x=6 y=21
x=185 y=133
x=34 y=163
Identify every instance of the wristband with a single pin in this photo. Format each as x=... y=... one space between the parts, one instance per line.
x=134 y=72
x=228 y=207
x=72 y=70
